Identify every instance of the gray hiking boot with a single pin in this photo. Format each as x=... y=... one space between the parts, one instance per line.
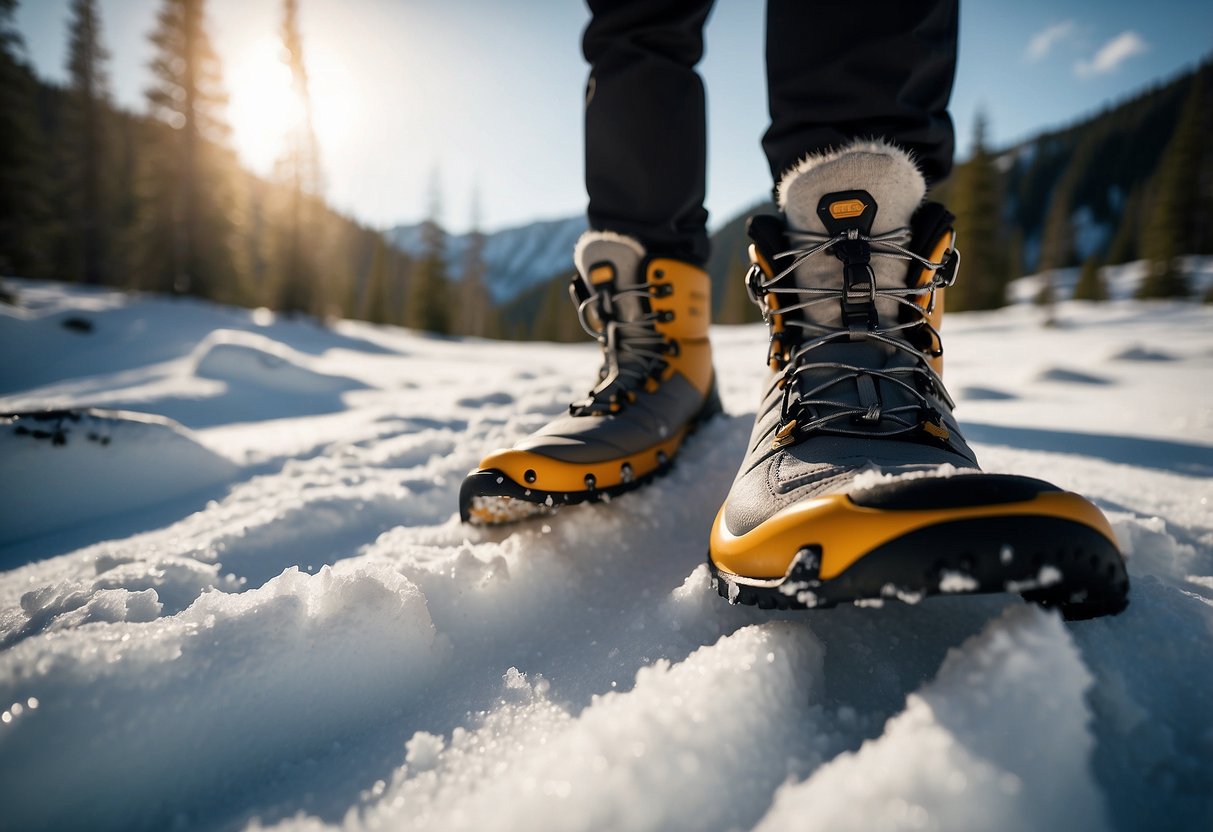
x=656 y=384
x=857 y=483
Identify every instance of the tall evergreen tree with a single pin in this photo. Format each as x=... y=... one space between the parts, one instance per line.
x=23 y=175
x=475 y=307
x=1176 y=217
x=1046 y=297
x=1057 y=238
x=188 y=210
x=89 y=183
x=429 y=301
x=1015 y=264
x=1124 y=246
x=736 y=306
x=379 y=290
x=1091 y=284
x=976 y=195
x=299 y=168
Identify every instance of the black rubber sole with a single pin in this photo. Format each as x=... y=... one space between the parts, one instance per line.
x=1047 y=560
x=492 y=483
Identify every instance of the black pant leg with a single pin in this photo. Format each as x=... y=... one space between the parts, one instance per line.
x=860 y=68
x=645 y=130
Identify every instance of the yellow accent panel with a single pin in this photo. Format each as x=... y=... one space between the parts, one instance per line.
x=772 y=302
x=938 y=431
x=936 y=315
x=691 y=305
x=846 y=532
x=557 y=475
x=602 y=274
x=694 y=361
x=846 y=208
x=691 y=301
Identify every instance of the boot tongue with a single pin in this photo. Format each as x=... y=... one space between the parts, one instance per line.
x=883 y=170
x=609 y=261
x=870 y=185
x=875 y=188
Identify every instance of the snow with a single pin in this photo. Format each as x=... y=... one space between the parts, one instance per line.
x=117 y=462
x=255 y=608
x=1122 y=280
x=945 y=761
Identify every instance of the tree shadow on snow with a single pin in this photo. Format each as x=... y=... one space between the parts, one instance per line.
x=1160 y=454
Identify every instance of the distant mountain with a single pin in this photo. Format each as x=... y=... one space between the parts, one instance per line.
x=517 y=258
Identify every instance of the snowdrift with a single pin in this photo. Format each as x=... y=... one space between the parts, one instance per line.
x=61 y=468
x=321 y=645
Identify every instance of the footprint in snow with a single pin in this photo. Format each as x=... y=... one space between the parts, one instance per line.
x=1071 y=376
x=499 y=398
x=984 y=394
x=1137 y=352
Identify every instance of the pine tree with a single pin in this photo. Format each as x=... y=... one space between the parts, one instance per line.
x=977 y=201
x=1057 y=244
x=553 y=319
x=1057 y=238
x=475 y=310
x=429 y=301
x=1174 y=221
x=88 y=170
x=379 y=295
x=187 y=208
x=1124 y=246
x=1091 y=284
x=1015 y=267
x=23 y=177
x=736 y=307
x=299 y=169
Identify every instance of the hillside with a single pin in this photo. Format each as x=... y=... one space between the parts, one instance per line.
x=1101 y=167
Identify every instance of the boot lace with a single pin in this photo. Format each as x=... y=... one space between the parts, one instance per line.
x=805 y=409
x=633 y=351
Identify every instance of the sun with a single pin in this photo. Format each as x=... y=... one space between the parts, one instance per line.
x=263 y=107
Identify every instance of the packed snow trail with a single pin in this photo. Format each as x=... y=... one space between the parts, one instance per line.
x=269 y=616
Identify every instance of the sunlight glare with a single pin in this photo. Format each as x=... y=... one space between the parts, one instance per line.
x=336 y=101
x=263 y=107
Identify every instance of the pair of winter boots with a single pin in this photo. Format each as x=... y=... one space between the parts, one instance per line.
x=856 y=483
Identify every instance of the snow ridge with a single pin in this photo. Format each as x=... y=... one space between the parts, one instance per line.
x=309 y=639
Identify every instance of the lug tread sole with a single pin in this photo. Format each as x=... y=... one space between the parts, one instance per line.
x=1050 y=561
x=490 y=484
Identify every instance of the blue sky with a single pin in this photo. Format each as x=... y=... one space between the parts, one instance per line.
x=489 y=93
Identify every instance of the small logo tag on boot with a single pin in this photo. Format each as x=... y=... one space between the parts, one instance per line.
x=844 y=210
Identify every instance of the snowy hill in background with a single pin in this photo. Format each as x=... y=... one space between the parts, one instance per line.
x=265 y=614
x=517 y=258
x=1121 y=281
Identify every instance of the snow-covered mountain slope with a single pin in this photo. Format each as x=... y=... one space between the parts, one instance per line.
x=516 y=258
x=1121 y=281
x=310 y=639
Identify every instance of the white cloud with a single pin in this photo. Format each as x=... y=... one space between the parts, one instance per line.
x=1112 y=54
x=1042 y=43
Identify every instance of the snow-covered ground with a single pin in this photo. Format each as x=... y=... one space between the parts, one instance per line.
x=264 y=613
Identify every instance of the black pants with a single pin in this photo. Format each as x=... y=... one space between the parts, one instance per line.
x=836 y=70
